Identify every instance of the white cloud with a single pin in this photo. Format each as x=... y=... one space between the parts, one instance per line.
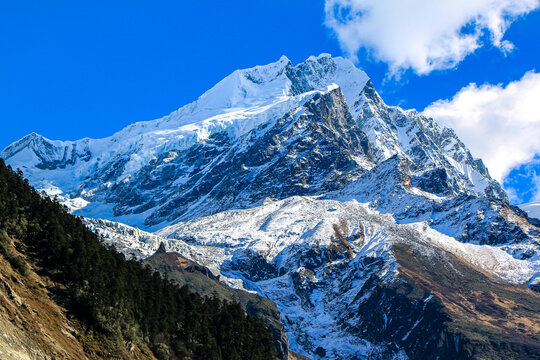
x=499 y=124
x=424 y=35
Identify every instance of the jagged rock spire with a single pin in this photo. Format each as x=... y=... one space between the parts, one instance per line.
x=162 y=249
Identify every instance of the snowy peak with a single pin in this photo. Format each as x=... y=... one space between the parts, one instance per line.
x=254 y=86
x=263 y=83
x=259 y=84
x=36 y=150
x=31 y=141
x=393 y=131
x=240 y=102
x=319 y=72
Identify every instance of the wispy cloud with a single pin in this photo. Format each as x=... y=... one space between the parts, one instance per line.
x=500 y=124
x=423 y=35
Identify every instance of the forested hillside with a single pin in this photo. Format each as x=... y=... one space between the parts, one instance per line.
x=117 y=299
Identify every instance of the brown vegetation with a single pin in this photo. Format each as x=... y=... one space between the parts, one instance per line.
x=494 y=319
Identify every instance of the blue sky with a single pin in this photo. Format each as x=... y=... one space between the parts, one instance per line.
x=74 y=69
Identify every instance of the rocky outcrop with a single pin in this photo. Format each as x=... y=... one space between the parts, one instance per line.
x=201 y=280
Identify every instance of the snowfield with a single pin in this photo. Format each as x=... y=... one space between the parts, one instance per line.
x=276 y=227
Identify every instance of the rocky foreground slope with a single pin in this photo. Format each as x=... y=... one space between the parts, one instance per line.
x=374 y=230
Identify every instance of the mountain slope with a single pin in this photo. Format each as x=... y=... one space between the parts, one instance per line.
x=70 y=286
x=201 y=280
x=347 y=279
x=35 y=326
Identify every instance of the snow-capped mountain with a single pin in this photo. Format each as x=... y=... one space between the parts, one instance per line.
x=94 y=170
x=309 y=128
x=360 y=220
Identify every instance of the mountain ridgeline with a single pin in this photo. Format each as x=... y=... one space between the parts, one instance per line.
x=373 y=229
x=120 y=301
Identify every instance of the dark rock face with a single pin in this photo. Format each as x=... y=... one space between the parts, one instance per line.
x=434 y=181
x=300 y=154
x=250 y=265
x=416 y=325
x=161 y=249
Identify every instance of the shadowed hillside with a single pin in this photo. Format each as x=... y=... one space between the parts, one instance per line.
x=65 y=295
